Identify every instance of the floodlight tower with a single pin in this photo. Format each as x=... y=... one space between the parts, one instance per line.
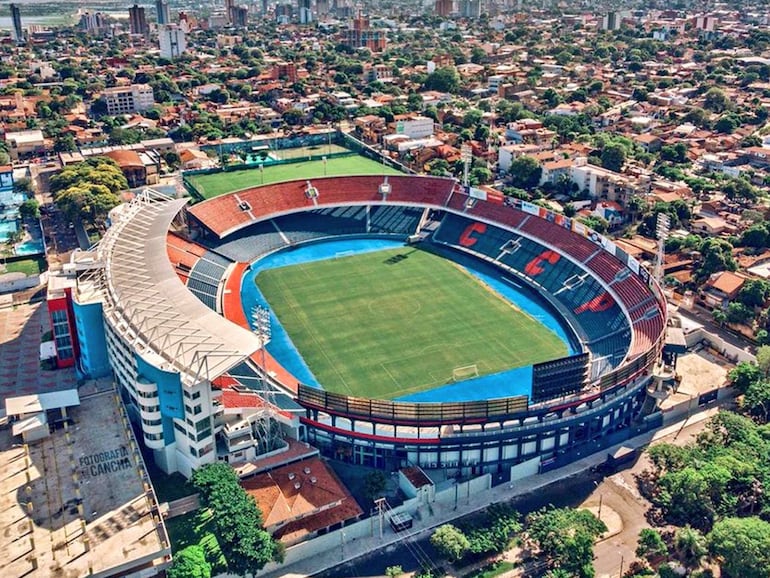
x=265 y=424
x=662 y=230
x=466 y=155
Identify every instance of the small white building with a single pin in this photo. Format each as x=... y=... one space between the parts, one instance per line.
x=415 y=127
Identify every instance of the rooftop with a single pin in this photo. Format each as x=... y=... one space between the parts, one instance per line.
x=145 y=298
x=77 y=502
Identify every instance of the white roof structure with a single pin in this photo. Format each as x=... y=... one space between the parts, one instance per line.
x=151 y=307
x=38 y=402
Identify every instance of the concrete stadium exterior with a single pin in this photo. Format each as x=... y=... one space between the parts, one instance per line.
x=170 y=354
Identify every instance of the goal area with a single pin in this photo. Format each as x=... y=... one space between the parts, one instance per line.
x=465 y=372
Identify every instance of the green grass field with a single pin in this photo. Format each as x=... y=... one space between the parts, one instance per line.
x=217 y=184
x=373 y=326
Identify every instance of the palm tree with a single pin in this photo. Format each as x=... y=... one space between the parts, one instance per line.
x=690 y=545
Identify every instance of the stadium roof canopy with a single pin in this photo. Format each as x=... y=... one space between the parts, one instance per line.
x=145 y=299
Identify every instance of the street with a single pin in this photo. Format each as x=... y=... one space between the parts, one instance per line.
x=616 y=492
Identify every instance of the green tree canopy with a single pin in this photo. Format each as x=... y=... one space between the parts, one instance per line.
x=525 y=172
x=742 y=546
x=450 y=541
x=716 y=256
x=237 y=520
x=566 y=537
x=650 y=544
x=743 y=375
x=716 y=100
x=190 y=563
x=443 y=80
x=613 y=157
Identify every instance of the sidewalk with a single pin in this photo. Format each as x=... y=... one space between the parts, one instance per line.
x=437 y=515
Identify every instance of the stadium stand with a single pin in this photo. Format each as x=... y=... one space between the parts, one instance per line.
x=576 y=290
x=320 y=223
x=250 y=243
x=395 y=220
x=183 y=255
x=205 y=277
x=574 y=245
x=226 y=214
x=232 y=306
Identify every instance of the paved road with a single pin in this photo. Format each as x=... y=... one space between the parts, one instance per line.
x=617 y=491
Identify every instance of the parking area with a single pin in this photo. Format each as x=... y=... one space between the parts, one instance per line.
x=21 y=330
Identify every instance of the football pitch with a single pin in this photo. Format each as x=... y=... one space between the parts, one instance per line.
x=215 y=184
x=396 y=322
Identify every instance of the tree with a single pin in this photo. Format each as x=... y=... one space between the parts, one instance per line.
x=743 y=375
x=450 y=541
x=716 y=256
x=596 y=223
x=690 y=545
x=754 y=292
x=190 y=563
x=763 y=359
x=29 y=209
x=716 y=100
x=651 y=545
x=726 y=124
x=443 y=79
x=525 y=172
x=480 y=176
x=374 y=484
x=742 y=546
x=566 y=537
x=738 y=313
x=613 y=157
x=393 y=571
x=237 y=520
x=757 y=400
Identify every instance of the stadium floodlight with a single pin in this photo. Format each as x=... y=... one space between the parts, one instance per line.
x=466 y=155
x=311 y=192
x=384 y=189
x=662 y=229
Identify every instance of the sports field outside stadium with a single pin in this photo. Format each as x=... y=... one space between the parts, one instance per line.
x=400 y=321
x=215 y=184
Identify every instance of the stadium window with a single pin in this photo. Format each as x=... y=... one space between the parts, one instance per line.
x=203 y=435
x=193 y=452
x=203 y=424
x=196 y=395
x=197 y=409
x=179 y=428
x=186 y=393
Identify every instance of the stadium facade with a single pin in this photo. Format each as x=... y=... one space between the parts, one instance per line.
x=162 y=314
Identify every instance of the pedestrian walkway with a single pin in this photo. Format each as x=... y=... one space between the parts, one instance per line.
x=438 y=514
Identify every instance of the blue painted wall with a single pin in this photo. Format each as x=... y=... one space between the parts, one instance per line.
x=93 y=361
x=169 y=395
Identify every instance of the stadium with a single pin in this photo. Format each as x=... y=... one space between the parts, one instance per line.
x=386 y=320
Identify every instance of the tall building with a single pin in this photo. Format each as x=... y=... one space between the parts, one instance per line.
x=239 y=16
x=470 y=8
x=16 y=30
x=164 y=16
x=304 y=13
x=172 y=41
x=362 y=35
x=229 y=6
x=128 y=99
x=444 y=7
x=137 y=20
x=93 y=23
